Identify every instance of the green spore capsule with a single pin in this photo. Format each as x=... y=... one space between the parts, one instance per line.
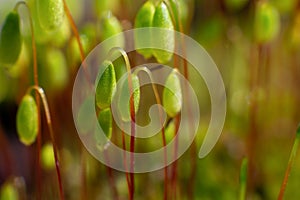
x=106 y=86
x=170 y=131
x=120 y=67
x=50 y=13
x=266 y=22
x=166 y=41
x=110 y=26
x=172 y=96
x=124 y=98
x=8 y=192
x=27 y=120
x=10 y=39
x=105 y=121
x=144 y=19
x=48 y=161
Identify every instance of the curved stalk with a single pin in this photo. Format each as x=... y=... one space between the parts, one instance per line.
x=41 y=92
x=132 y=115
x=158 y=101
x=36 y=83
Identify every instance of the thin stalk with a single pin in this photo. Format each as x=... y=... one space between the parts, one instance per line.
x=158 y=101
x=132 y=115
x=50 y=127
x=174 y=172
x=77 y=36
x=178 y=26
x=74 y=29
x=290 y=164
x=36 y=83
x=243 y=179
x=111 y=179
x=125 y=163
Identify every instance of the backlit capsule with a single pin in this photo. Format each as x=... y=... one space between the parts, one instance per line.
x=27 y=120
x=106 y=85
x=166 y=39
x=144 y=19
x=50 y=13
x=172 y=96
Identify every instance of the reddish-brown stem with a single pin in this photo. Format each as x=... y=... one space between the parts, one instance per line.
x=132 y=142
x=160 y=113
x=111 y=178
x=77 y=36
x=125 y=164
x=174 y=170
x=36 y=83
x=290 y=164
x=132 y=115
x=74 y=29
x=177 y=21
x=252 y=136
x=50 y=127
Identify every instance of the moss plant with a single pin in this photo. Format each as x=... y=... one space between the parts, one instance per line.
x=132 y=101
x=158 y=101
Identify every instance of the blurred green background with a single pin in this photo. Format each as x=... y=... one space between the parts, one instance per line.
x=261 y=76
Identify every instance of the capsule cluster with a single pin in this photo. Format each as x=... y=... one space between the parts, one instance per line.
x=158 y=16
